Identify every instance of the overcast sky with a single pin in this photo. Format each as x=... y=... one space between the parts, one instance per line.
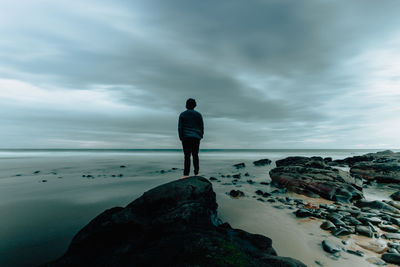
x=265 y=74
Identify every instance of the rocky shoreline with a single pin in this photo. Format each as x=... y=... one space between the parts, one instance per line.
x=349 y=214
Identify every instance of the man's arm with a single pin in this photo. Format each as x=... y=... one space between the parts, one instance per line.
x=201 y=125
x=180 y=127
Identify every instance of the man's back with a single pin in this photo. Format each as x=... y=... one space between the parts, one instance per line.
x=190 y=124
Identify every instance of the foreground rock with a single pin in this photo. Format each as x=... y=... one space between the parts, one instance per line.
x=313 y=175
x=174 y=224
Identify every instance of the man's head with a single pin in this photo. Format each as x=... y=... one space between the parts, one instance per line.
x=190 y=103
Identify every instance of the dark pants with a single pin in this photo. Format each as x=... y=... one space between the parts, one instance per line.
x=191 y=147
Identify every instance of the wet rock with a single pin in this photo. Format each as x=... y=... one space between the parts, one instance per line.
x=395 y=196
x=262 y=162
x=122 y=166
x=260 y=199
x=312 y=175
x=337 y=222
x=247 y=174
x=36 y=172
x=375 y=245
x=395 y=236
x=44 y=181
x=174 y=224
x=302 y=213
x=239 y=165
x=330 y=246
x=265 y=183
x=259 y=192
x=388 y=228
x=377 y=205
x=213 y=178
x=279 y=191
x=236 y=176
x=162 y=171
x=392 y=250
x=353 y=221
x=341 y=231
x=266 y=194
x=250 y=181
x=363 y=230
x=271 y=200
x=236 y=193
x=356 y=252
x=327 y=225
x=174 y=169
x=391 y=258
x=377 y=261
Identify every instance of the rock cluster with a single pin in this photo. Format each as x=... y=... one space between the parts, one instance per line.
x=174 y=224
x=314 y=176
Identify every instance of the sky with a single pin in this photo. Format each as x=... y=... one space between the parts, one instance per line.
x=265 y=74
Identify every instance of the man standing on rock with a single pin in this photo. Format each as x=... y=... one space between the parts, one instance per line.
x=191 y=130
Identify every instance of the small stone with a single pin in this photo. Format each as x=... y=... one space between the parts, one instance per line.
x=356 y=252
x=303 y=213
x=376 y=261
x=122 y=166
x=36 y=172
x=259 y=192
x=213 y=178
x=246 y=174
x=327 y=225
x=236 y=176
x=250 y=181
x=120 y=175
x=363 y=230
x=239 y=165
x=44 y=181
x=388 y=228
x=262 y=162
x=236 y=193
x=266 y=194
x=395 y=196
x=260 y=199
x=162 y=171
x=391 y=236
x=265 y=183
x=330 y=246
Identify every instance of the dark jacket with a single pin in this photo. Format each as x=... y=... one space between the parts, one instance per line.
x=190 y=124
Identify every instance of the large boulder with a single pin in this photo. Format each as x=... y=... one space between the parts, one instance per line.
x=174 y=224
x=304 y=175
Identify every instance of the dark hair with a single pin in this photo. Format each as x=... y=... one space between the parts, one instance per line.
x=190 y=103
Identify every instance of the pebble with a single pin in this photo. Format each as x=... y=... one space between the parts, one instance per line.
x=330 y=246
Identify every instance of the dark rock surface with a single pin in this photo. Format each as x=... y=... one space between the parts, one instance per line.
x=262 y=162
x=174 y=224
x=391 y=258
x=395 y=196
x=239 y=165
x=383 y=167
x=313 y=176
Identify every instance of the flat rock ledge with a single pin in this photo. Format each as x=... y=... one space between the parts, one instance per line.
x=174 y=224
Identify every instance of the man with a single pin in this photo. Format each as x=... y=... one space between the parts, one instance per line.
x=191 y=130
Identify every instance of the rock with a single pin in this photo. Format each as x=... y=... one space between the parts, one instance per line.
x=250 y=181
x=376 y=261
x=44 y=181
x=330 y=246
x=162 y=171
x=353 y=221
x=391 y=236
x=375 y=245
x=174 y=224
x=265 y=183
x=302 y=213
x=337 y=222
x=392 y=250
x=36 y=172
x=122 y=166
x=388 y=228
x=313 y=176
x=259 y=192
x=356 y=252
x=247 y=174
x=174 y=169
x=236 y=193
x=236 y=176
x=377 y=205
x=391 y=258
x=239 y=165
x=213 y=178
x=341 y=231
x=260 y=199
x=266 y=194
x=262 y=162
x=363 y=230
x=396 y=196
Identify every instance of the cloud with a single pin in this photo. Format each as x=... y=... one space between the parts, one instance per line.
x=278 y=74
